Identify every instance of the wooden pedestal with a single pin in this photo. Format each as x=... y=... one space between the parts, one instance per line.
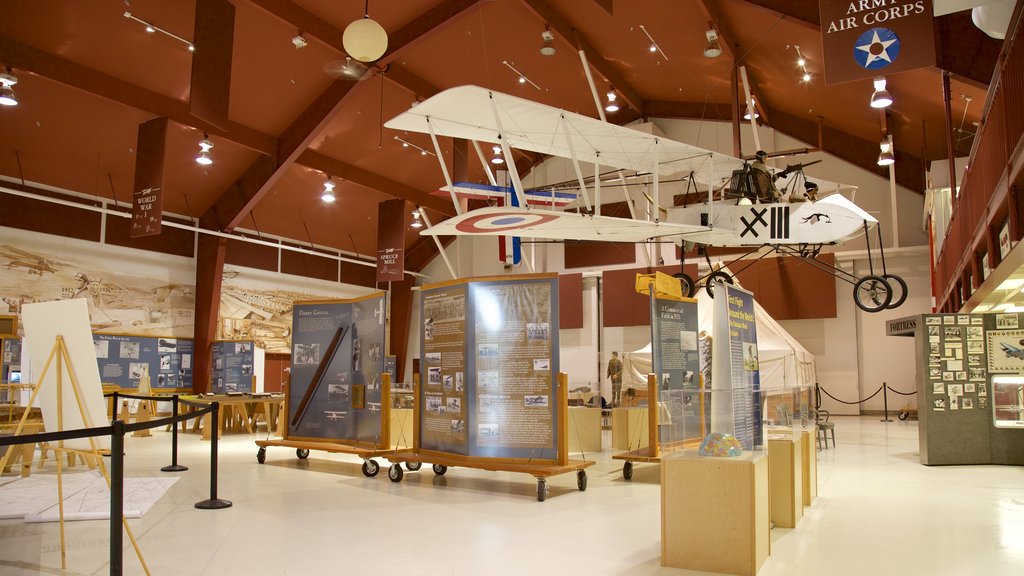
x=809 y=466
x=785 y=480
x=629 y=428
x=714 y=513
x=584 y=429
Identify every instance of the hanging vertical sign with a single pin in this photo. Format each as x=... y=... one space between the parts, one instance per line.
x=147 y=192
x=868 y=38
x=391 y=241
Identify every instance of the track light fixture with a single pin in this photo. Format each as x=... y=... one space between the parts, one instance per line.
x=801 y=63
x=416 y=222
x=407 y=144
x=497 y=158
x=151 y=28
x=547 y=47
x=886 y=158
x=7 y=82
x=612 y=105
x=328 y=194
x=654 y=45
x=713 y=48
x=522 y=77
x=880 y=98
x=205 y=146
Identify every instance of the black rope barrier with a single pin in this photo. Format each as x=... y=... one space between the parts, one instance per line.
x=902 y=393
x=851 y=403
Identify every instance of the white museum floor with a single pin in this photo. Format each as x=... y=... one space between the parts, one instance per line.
x=878 y=512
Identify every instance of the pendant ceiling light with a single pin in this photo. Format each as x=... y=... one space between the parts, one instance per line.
x=205 y=146
x=7 y=82
x=365 y=39
x=885 y=157
x=416 y=222
x=328 y=193
x=880 y=98
x=612 y=105
x=497 y=159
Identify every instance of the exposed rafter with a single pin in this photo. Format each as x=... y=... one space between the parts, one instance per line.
x=559 y=23
x=24 y=57
x=356 y=175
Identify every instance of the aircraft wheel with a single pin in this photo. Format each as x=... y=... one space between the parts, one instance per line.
x=440 y=469
x=261 y=455
x=716 y=276
x=413 y=466
x=872 y=293
x=899 y=288
x=395 y=473
x=627 y=470
x=687 y=285
x=370 y=468
x=302 y=453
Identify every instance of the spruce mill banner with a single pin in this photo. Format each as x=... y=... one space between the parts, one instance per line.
x=869 y=38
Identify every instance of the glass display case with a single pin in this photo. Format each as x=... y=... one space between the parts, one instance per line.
x=1008 y=401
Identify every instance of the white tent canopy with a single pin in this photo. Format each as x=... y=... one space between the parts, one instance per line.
x=785 y=364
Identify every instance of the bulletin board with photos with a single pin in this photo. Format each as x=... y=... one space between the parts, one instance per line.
x=957 y=376
x=124 y=359
x=233 y=362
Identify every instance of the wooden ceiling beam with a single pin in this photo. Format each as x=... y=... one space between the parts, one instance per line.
x=232 y=207
x=345 y=171
x=23 y=57
x=574 y=36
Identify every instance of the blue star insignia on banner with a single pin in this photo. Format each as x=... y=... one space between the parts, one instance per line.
x=876 y=48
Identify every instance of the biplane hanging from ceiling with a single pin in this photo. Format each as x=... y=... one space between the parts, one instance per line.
x=730 y=215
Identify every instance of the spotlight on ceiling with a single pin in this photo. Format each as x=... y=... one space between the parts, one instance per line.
x=497 y=158
x=806 y=77
x=713 y=49
x=205 y=146
x=365 y=39
x=886 y=158
x=416 y=222
x=881 y=97
x=7 y=97
x=612 y=105
x=328 y=194
x=547 y=48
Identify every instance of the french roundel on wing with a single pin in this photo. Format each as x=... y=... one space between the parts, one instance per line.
x=502 y=222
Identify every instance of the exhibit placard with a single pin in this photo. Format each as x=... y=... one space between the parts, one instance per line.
x=123 y=359
x=736 y=405
x=337 y=362
x=490 y=356
x=676 y=362
x=232 y=367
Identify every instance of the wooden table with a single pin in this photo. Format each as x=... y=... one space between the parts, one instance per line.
x=240 y=413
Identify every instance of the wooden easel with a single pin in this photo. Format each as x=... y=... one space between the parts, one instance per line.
x=60 y=353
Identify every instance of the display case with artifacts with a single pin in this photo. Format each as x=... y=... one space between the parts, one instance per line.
x=1008 y=401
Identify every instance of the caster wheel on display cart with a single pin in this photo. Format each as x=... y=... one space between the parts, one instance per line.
x=261 y=455
x=581 y=480
x=302 y=453
x=370 y=468
x=542 y=489
x=395 y=473
x=627 y=470
x=413 y=466
x=440 y=469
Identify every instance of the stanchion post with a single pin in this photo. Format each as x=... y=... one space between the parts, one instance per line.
x=116 y=496
x=113 y=412
x=885 y=403
x=214 y=503
x=174 y=467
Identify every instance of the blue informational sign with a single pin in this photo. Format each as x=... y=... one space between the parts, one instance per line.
x=745 y=370
x=232 y=369
x=337 y=362
x=123 y=360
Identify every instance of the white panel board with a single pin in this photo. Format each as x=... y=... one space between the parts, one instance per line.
x=43 y=322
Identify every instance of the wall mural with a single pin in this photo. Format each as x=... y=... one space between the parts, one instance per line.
x=148 y=294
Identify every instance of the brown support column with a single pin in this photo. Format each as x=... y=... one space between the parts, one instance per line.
x=401 y=314
x=949 y=133
x=1015 y=201
x=209 y=273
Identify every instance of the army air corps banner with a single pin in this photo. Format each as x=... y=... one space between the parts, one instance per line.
x=870 y=38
